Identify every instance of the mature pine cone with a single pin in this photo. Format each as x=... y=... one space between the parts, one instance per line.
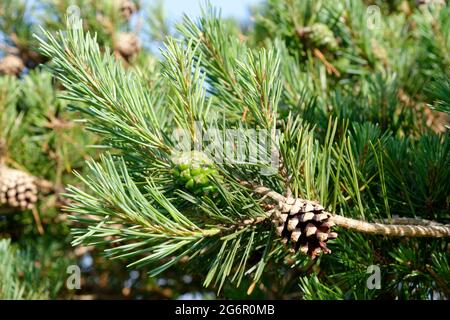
x=17 y=189
x=11 y=65
x=193 y=170
x=322 y=37
x=304 y=224
x=127 y=45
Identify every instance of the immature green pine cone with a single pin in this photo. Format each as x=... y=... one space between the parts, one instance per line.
x=322 y=37
x=193 y=170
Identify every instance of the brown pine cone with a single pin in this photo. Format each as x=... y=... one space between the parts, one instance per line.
x=17 y=189
x=127 y=45
x=304 y=224
x=127 y=8
x=11 y=65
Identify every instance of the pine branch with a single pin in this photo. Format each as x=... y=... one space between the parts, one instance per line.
x=148 y=204
x=392 y=230
x=431 y=229
x=409 y=221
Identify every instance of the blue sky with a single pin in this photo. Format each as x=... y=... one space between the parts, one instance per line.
x=174 y=10
x=230 y=8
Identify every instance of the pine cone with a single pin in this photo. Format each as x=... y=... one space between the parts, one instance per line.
x=127 y=8
x=127 y=45
x=193 y=170
x=322 y=37
x=436 y=120
x=305 y=224
x=17 y=189
x=11 y=65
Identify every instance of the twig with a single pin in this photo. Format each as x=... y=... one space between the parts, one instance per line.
x=38 y=221
x=45 y=186
x=395 y=230
x=414 y=228
x=407 y=221
x=330 y=68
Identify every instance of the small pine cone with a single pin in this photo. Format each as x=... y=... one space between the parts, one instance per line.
x=11 y=65
x=193 y=170
x=127 y=45
x=322 y=37
x=304 y=224
x=437 y=121
x=17 y=189
x=127 y=8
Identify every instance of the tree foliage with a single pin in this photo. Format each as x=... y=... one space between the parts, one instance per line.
x=195 y=151
x=346 y=138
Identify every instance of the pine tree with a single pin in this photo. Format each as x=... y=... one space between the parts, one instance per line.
x=242 y=158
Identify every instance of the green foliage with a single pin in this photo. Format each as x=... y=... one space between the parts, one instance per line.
x=439 y=92
x=40 y=135
x=30 y=274
x=312 y=102
x=353 y=172
x=314 y=290
x=378 y=74
x=21 y=19
x=10 y=118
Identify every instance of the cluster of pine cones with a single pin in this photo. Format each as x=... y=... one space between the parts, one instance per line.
x=17 y=189
x=305 y=225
